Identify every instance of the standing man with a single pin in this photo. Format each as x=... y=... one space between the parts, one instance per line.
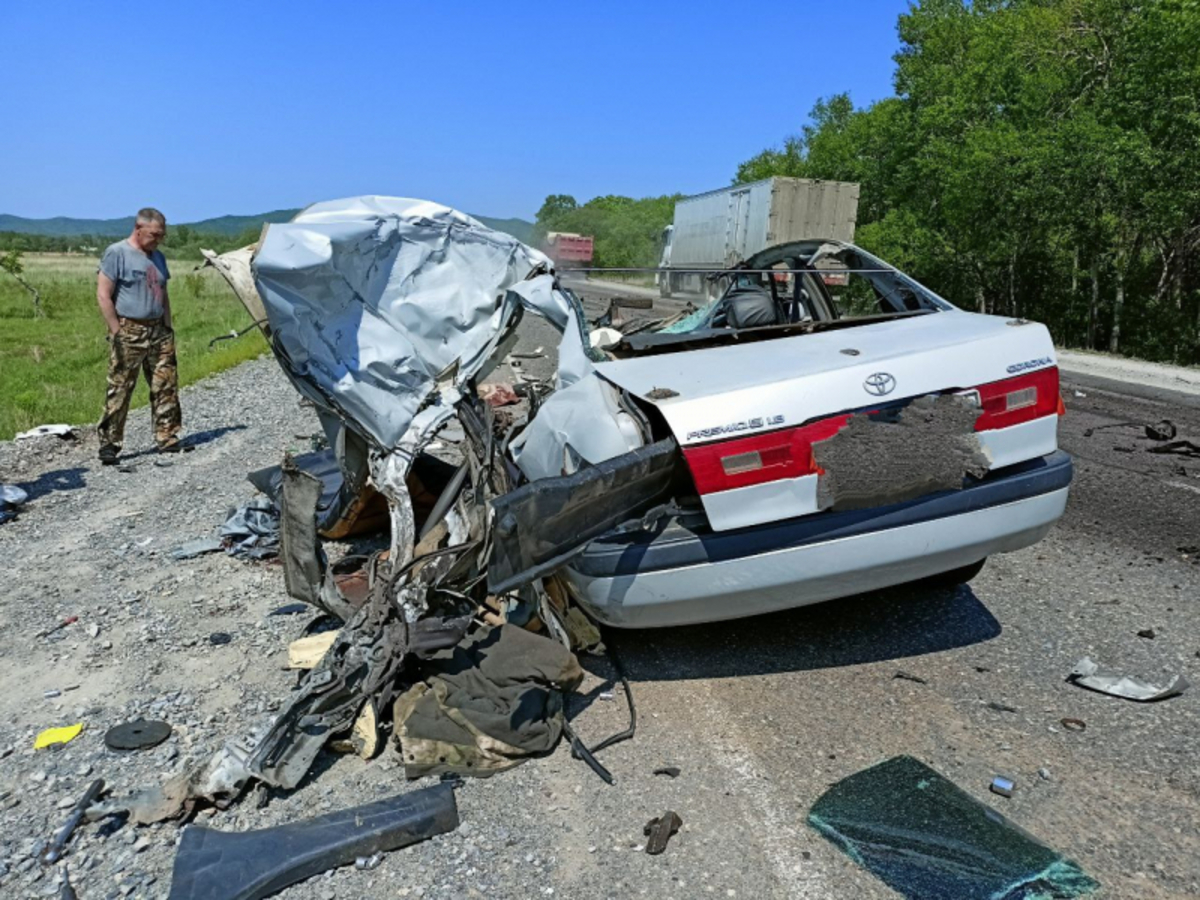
x=131 y=288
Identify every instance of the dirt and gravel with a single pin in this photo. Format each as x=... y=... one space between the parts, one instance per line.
x=760 y=715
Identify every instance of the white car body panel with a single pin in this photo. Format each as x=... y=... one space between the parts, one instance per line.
x=1017 y=443
x=762 y=386
x=815 y=572
x=757 y=503
x=807 y=376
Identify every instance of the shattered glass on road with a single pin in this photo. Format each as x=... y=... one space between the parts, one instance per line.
x=926 y=838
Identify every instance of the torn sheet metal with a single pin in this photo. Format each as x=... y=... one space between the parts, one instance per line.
x=878 y=459
x=583 y=424
x=373 y=301
x=541 y=525
x=925 y=837
x=1089 y=675
x=348 y=505
x=306 y=573
x=234 y=267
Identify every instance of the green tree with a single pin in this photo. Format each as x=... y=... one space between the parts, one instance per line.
x=1038 y=158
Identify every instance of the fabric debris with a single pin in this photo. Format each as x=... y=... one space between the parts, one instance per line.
x=253 y=530
x=487 y=705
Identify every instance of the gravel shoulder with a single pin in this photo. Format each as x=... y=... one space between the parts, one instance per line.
x=761 y=715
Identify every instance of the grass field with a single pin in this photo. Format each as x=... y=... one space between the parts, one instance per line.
x=53 y=369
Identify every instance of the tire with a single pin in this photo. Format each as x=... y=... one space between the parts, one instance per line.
x=955 y=577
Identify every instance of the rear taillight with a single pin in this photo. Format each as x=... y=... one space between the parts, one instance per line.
x=787 y=453
x=1016 y=400
x=764 y=457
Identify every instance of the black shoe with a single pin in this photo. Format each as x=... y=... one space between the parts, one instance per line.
x=173 y=447
x=109 y=455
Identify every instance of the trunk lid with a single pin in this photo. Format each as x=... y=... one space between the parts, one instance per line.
x=748 y=393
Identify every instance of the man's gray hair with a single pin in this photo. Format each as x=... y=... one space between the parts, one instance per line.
x=149 y=214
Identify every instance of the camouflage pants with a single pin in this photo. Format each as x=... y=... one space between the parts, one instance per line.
x=150 y=347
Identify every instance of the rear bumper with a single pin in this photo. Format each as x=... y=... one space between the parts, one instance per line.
x=679 y=575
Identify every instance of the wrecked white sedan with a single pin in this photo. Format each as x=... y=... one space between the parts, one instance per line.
x=827 y=426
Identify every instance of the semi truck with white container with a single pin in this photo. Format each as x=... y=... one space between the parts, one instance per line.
x=721 y=228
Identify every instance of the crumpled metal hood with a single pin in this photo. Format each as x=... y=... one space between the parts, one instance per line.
x=377 y=303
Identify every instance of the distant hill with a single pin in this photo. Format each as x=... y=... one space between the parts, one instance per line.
x=62 y=226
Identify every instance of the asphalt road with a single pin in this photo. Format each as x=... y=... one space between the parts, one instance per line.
x=763 y=715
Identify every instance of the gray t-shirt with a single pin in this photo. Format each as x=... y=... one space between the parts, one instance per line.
x=141 y=280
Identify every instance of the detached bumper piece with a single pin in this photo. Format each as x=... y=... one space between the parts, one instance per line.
x=542 y=525
x=219 y=865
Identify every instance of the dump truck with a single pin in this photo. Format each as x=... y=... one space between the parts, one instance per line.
x=569 y=250
x=722 y=228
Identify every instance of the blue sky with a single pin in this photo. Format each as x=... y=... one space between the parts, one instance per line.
x=206 y=109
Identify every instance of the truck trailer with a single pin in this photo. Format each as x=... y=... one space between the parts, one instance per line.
x=721 y=228
x=569 y=250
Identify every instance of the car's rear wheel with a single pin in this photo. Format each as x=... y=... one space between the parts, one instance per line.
x=955 y=577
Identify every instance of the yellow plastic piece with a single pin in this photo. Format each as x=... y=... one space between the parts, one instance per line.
x=63 y=735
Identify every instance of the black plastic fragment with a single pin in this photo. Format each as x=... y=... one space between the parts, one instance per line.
x=1161 y=431
x=660 y=830
x=542 y=525
x=140 y=734
x=669 y=771
x=218 y=865
x=220 y=637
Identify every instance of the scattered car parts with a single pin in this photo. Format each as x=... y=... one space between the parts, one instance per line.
x=659 y=830
x=1089 y=675
x=58 y=844
x=1002 y=786
x=139 y=734
x=248 y=865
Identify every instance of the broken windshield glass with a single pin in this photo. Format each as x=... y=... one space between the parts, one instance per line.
x=927 y=839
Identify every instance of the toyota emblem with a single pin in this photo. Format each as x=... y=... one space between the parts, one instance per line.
x=880 y=384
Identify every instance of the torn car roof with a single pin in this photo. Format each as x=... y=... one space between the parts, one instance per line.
x=376 y=303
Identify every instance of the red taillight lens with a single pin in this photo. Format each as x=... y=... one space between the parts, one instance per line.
x=764 y=457
x=787 y=453
x=1016 y=400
